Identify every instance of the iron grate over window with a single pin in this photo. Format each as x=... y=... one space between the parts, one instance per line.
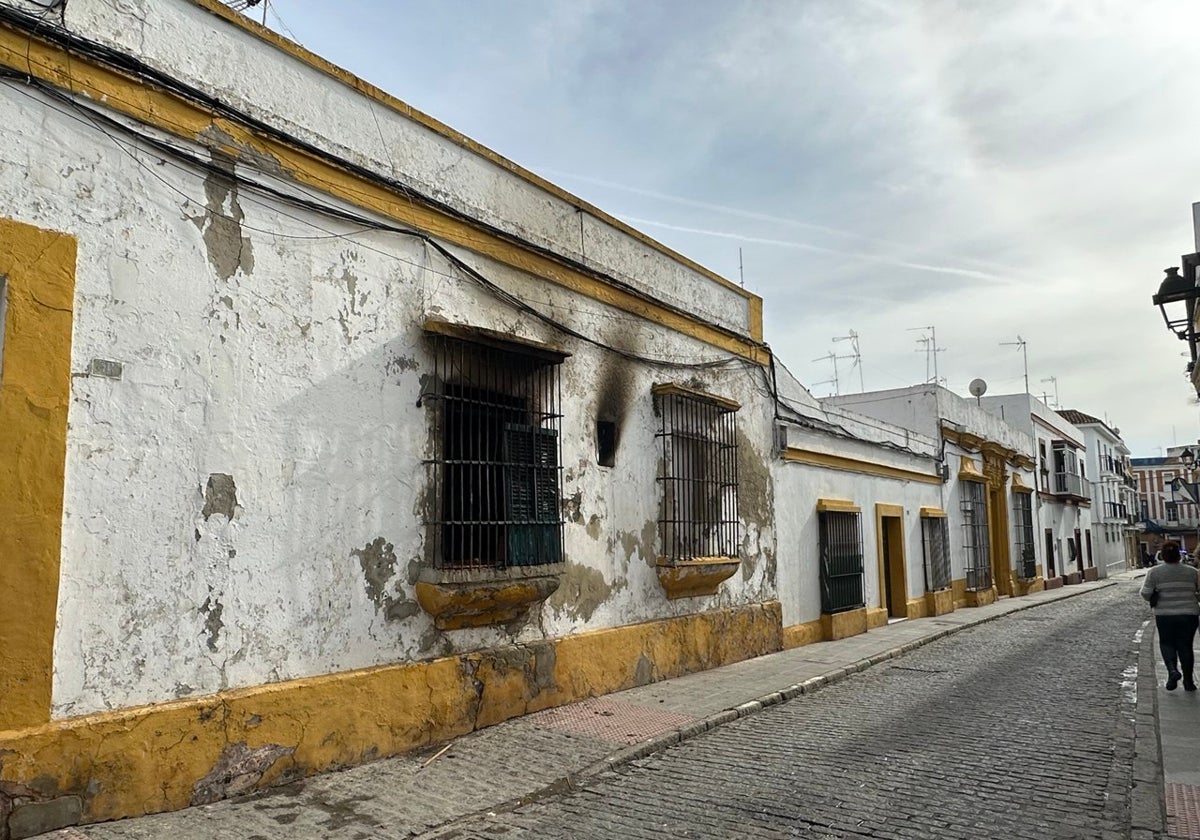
x=841 y=561
x=935 y=539
x=976 y=552
x=496 y=471
x=698 y=512
x=1023 y=535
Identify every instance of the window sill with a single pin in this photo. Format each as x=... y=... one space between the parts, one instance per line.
x=696 y=577
x=462 y=598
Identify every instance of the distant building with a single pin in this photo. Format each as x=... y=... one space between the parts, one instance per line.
x=1114 y=494
x=1164 y=513
x=1063 y=491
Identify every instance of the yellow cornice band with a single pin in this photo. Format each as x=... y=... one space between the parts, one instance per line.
x=24 y=52
x=856 y=465
x=933 y=512
x=372 y=92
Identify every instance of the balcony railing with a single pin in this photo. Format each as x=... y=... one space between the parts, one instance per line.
x=1116 y=511
x=1070 y=484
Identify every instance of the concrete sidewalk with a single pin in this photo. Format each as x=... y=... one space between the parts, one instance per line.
x=521 y=760
x=1177 y=714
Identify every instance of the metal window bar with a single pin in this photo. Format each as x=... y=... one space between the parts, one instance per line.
x=935 y=538
x=698 y=512
x=496 y=471
x=976 y=553
x=841 y=561
x=1023 y=524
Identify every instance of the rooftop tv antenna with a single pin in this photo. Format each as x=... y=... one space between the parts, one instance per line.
x=1054 y=380
x=832 y=357
x=852 y=337
x=1020 y=344
x=931 y=350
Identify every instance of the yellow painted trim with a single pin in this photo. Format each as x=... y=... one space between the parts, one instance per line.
x=1020 y=486
x=967 y=440
x=838 y=505
x=855 y=465
x=916 y=607
x=35 y=390
x=877 y=617
x=676 y=390
x=20 y=50
x=402 y=108
x=148 y=759
x=799 y=635
x=967 y=471
x=842 y=625
x=933 y=512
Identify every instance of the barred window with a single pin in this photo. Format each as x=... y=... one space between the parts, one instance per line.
x=935 y=539
x=698 y=511
x=976 y=553
x=1023 y=535
x=841 y=561
x=495 y=415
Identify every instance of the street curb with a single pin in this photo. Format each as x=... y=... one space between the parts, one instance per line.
x=575 y=780
x=669 y=739
x=1147 y=804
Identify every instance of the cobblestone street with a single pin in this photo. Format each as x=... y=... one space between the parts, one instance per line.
x=1015 y=728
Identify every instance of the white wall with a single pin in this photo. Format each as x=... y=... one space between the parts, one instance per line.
x=263 y=80
x=282 y=349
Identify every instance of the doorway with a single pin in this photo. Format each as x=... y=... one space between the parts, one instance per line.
x=893 y=575
x=1051 y=571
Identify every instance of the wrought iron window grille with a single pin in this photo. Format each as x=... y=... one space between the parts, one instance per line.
x=496 y=471
x=698 y=476
x=976 y=551
x=1023 y=543
x=935 y=539
x=841 y=561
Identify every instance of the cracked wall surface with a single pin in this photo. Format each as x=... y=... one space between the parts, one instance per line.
x=245 y=491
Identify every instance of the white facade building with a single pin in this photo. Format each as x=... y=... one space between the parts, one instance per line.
x=988 y=471
x=1063 y=504
x=1114 y=497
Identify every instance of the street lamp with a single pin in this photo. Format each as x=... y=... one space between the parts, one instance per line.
x=1181 y=288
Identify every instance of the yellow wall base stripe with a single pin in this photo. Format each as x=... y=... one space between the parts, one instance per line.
x=162 y=757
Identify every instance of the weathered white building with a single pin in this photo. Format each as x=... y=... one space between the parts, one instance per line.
x=329 y=433
x=1114 y=497
x=860 y=521
x=987 y=495
x=1064 y=492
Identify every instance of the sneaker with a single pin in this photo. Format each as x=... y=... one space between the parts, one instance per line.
x=1172 y=680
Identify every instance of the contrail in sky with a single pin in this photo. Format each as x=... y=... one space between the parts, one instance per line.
x=988 y=273
x=804 y=246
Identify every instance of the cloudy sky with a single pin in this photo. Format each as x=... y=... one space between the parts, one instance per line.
x=992 y=170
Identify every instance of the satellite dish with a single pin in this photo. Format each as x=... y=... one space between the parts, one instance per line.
x=977 y=388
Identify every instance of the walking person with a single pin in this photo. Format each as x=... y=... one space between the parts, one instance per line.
x=1173 y=590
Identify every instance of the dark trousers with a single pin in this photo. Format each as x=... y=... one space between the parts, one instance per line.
x=1175 y=634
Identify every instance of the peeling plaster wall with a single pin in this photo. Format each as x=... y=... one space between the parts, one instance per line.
x=268 y=83
x=244 y=486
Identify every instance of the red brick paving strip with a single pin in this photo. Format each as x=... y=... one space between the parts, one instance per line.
x=610 y=720
x=1183 y=810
